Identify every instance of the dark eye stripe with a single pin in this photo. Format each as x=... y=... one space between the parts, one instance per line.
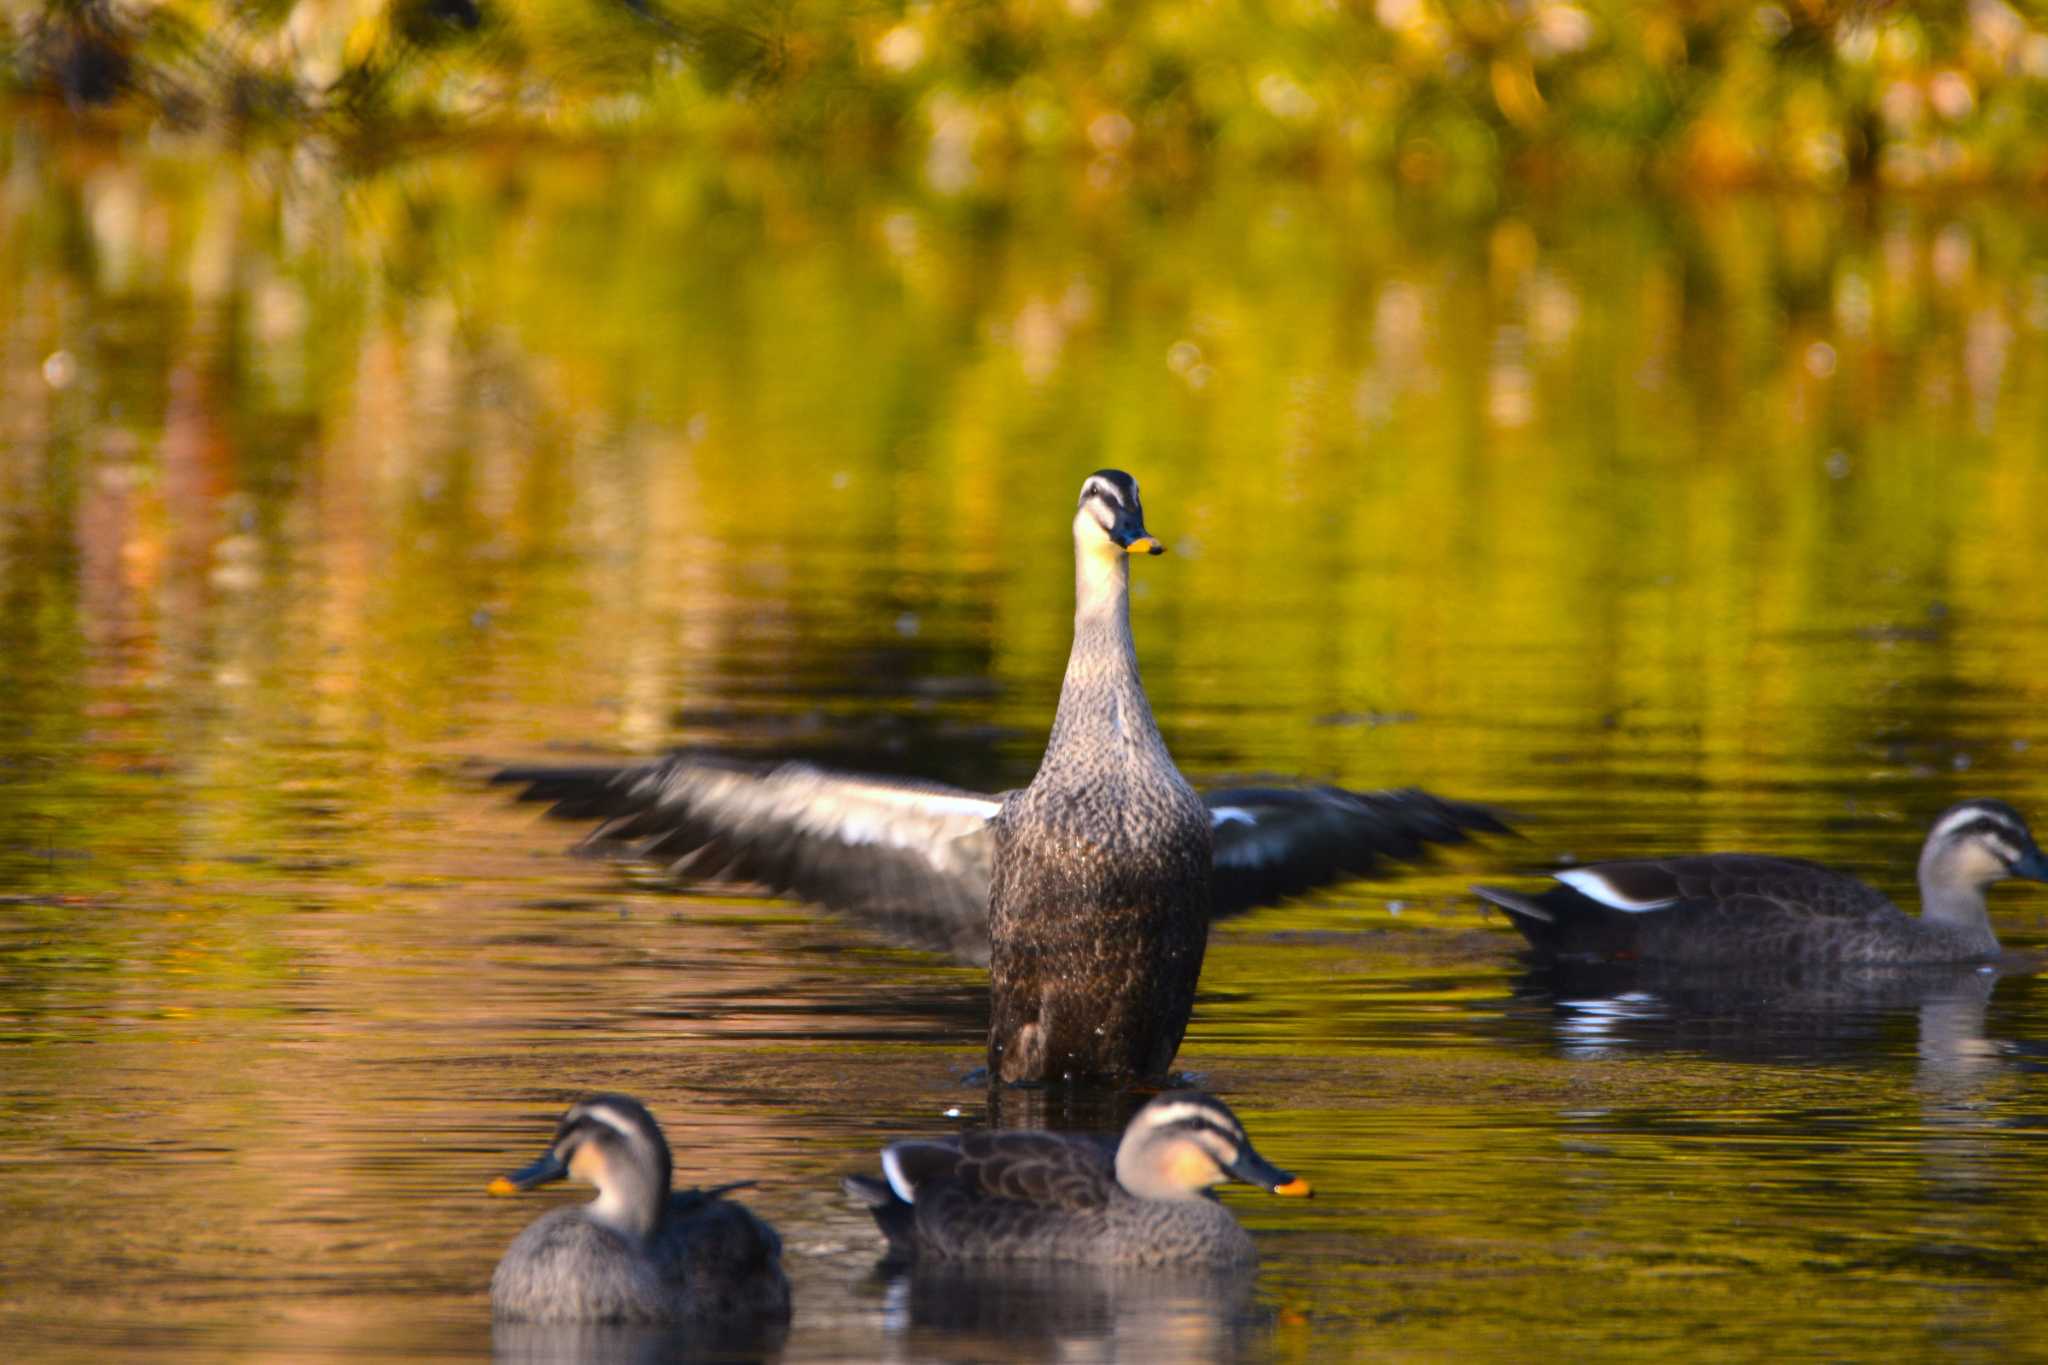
x=1205 y=1124
x=1989 y=826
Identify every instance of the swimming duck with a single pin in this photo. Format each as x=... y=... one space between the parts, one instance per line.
x=1088 y=893
x=1032 y=1196
x=639 y=1252
x=1735 y=909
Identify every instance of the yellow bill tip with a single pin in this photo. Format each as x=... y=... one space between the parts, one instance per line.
x=1145 y=545
x=1296 y=1187
x=502 y=1186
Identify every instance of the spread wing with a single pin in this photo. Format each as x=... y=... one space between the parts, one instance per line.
x=1280 y=841
x=913 y=857
x=910 y=857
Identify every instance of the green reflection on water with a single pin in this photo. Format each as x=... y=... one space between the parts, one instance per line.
x=1670 y=525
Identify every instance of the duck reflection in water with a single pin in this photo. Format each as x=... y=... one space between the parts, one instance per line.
x=953 y=1310
x=1788 y=1013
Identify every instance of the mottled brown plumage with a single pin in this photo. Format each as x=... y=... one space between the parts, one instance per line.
x=1088 y=893
x=1030 y=1196
x=1740 y=909
x=1099 y=902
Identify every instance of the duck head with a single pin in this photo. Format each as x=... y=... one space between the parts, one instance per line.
x=1109 y=527
x=1110 y=521
x=1184 y=1141
x=1977 y=843
x=614 y=1144
x=1971 y=846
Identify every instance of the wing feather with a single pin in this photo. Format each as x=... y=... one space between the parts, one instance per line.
x=910 y=857
x=913 y=857
x=1273 y=842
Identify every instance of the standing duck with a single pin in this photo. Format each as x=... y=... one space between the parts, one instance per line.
x=1030 y=1196
x=1729 y=910
x=1088 y=893
x=640 y=1252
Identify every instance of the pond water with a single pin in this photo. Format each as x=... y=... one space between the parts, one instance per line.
x=1668 y=525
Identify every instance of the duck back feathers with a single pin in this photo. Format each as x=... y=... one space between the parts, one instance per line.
x=1040 y=1197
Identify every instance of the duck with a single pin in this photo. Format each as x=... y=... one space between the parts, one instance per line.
x=1088 y=893
x=1743 y=910
x=1023 y=1196
x=640 y=1252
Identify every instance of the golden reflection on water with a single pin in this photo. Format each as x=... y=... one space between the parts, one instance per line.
x=1668 y=525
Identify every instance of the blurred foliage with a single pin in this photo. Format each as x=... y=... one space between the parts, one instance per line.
x=1450 y=93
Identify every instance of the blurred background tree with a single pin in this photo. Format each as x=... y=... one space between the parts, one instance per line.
x=1452 y=93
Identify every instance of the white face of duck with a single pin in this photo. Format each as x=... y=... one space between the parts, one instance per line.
x=1182 y=1143
x=1975 y=844
x=1109 y=527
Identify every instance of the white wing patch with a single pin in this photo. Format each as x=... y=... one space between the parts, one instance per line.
x=892 y=1168
x=1589 y=883
x=1230 y=815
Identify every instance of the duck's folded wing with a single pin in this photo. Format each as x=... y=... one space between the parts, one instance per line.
x=1039 y=1170
x=910 y=857
x=1275 y=842
x=1732 y=884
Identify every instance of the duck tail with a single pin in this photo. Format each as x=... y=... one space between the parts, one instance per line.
x=1514 y=902
x=894 y=1217
x=1540 y=924
x=869 y=1192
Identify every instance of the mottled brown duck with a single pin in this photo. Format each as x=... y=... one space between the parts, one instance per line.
x=1741 y=910
x=640 y=1252
x=1030 y=1196
x=1088 y=893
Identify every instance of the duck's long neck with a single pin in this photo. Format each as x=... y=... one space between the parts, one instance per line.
x=1952 y=898
x=1102 y=700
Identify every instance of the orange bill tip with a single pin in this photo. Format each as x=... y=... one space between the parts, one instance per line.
x=1296 y=1186
x=1145 y=545
x=503 y=1186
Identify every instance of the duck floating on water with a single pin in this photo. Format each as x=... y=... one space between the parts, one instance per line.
x=1033 y=1196
x=640 y=1252
x=1744 y=910
x=1088 y=893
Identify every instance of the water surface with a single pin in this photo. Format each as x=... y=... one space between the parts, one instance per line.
x=1670 y=526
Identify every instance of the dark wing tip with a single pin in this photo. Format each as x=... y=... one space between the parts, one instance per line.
x=1279 y=841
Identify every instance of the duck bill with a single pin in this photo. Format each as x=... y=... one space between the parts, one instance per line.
x=1254 y=1169
x=1131 y=536
x=2033 y=866
x=548 y=1168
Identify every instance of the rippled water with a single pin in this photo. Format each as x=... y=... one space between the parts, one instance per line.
x=1670 y=527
